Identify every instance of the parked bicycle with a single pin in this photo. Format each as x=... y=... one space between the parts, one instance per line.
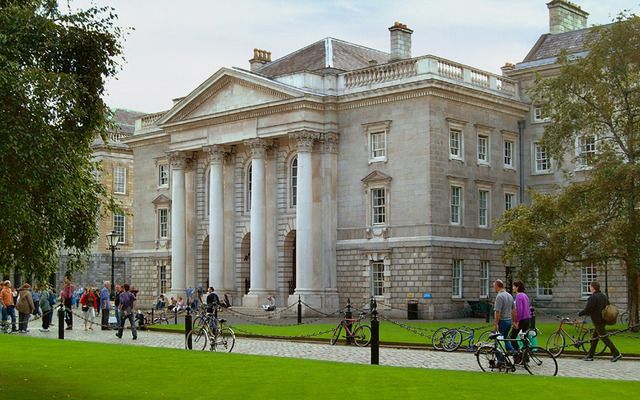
x=579 y=336
x=158 y=318
x=535 y=360
x=354 y=329
x=210 y=333
x=450 y=339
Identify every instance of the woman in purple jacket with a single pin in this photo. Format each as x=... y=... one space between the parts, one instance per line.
x=521 y=314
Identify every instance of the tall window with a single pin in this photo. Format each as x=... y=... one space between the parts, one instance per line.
x=378 y=146
x=455 y=143
x=484 y=279
x=163 y=175
x=483 y=208
x=378 y=206
x=538 y=116
x=509 y=201
x=377 y=278
x=585 y=151
x=543 y=289
x=119 y=180
x=456 y=204
x=293 y=182
x=483 y=149
x=119 y=226
x=587 y=275
x=456 y=279
x=542 y=160
x=247 y=189
x=162 y=278
x=163 y=223
x=508 y=153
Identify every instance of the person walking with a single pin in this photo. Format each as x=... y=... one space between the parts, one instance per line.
x=595 y=304
x=35 y=294
x=521 y=313
x=46 y=307
x=25 y=307
x=67 y=301
x=105 y=305
x=89 y=304
x=212 y=307
x=502 y=313
x=127 y=304
x=8 y=306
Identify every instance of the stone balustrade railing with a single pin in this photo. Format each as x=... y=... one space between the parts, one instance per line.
x=381 y=73
x=148 y=120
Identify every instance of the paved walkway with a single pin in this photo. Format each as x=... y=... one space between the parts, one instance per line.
x=461 y=361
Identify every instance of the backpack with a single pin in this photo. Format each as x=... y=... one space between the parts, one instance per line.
x=52 y=298
x=610 y=314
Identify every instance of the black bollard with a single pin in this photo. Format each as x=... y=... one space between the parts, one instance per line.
x=175 y=320
x=487 y=315
x=375 y=334
x=349 y=315
x=152 y=318
x=61 y=321
x=299 y=310
x=532 y=321
x=187 y=328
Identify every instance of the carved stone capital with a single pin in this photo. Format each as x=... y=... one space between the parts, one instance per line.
x=178 y=159
x=330 y=141
x=257 y=147
x=215 y=153
x=304 y=139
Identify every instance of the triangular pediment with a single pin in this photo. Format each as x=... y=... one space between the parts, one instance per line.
x=228 y=90
x=376 y=176
x=161 y=200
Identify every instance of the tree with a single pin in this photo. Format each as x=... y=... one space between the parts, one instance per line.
x=594 y=98
x=53 y=66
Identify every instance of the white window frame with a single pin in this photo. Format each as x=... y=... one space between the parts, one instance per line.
x=508 y=147
x=120 y=227
x=378 y=270
x=456 y=278
x=456 y=142
x=484 y=207
x=162 y=279
x=377 y=210
x=536 y=115
x=378 y=151
x=293 y=182
x=509 y=201
x=483 y=148
x=119 y=179
x=163 y=227
x=163 y=175
x=455 y=204
x=543 y=292
x=485 y=282
x=538 y=163
x=584 y=150
x=588 y=274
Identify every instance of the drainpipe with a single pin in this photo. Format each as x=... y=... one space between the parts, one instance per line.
x=521 y=157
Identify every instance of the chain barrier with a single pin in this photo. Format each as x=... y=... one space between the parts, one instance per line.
x=278 y=311
x=307 y=336
x=306 y=322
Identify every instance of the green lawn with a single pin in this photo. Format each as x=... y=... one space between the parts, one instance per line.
x=54 y=369
x=628 y=343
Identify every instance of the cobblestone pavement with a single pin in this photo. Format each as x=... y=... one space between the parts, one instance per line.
x=461 y=361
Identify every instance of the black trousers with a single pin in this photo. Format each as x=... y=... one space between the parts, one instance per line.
x=600 y=330
x=105 y=319
x=523 y=326
x=68 y=317
x=46 y=319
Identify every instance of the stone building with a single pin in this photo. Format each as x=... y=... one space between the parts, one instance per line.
x=340 y=171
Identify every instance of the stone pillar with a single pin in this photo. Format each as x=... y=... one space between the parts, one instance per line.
x=330 y=208
x=258 y=229
x=178 y=224
x=191 y=273
x=216 y=217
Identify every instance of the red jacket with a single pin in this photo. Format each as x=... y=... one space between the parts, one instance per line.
x=90 y=298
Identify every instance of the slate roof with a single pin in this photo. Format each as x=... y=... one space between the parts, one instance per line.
x=326 y=53
x=549 y=45
x=126 y=119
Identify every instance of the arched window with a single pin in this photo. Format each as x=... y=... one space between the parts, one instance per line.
x=293 y=182
x=247 y=189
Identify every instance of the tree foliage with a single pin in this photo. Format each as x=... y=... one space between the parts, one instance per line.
x=595 y=219
x=53 y=66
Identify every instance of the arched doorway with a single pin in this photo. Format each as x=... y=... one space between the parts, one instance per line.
x=244 y=274
x=289 y=261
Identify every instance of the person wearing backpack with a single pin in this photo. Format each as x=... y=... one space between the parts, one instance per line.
x=126 y=306
x=595 y=304
x=46 y=306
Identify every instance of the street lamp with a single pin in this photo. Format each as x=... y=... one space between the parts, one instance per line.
x=112 y=240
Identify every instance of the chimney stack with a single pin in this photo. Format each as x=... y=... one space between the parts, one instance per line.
x=564 y=16
x=260 y=59
x=400 y=41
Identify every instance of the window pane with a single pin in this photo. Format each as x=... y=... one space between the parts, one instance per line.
x=377 y=278
x=483 y=148
x=378 y=208
x=483 y=208
x=119 y=179
x=455 y=204
x=163 y=219
x=509 y=199
x=293 y=186
x=508 y=153
x=454 y=142
x=484 y=279
x=588 y=275
x=378 y=145
x=119 y=227
x=248 y=189
x=542 y=159
x=163 y=175
x=456 y=282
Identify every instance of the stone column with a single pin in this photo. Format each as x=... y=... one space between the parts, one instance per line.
x=178 y=223
x=216 y=216
x=258 y=221
x=330 y=208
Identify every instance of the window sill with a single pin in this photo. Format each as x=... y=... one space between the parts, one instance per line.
x=542 y=173
x=377 y=160
x=484 y=164
x=509 y=168
x=460 y=160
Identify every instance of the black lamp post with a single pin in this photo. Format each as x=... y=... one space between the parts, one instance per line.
x=112 y=240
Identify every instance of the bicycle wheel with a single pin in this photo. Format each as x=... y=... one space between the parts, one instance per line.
x=585 y=344
x=483 y=338
x=487 y=357
x=539 y=361
x=199 y=340
x=555 y=343
x=624 y=318
x=362 y=336
x=224 y=340
x=436 y=338
x=198 y=323
x=451 y=340
x=336 y=334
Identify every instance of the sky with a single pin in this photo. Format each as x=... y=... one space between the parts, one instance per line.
x=175 y=45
